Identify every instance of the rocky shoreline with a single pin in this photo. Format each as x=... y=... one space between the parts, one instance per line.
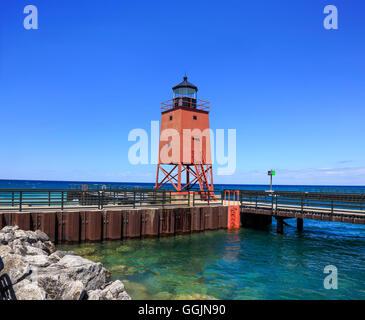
x=34 y=270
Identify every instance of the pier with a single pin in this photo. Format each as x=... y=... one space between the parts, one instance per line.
x=281 y=205
x=72 y=216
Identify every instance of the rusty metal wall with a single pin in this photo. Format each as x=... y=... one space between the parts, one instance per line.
x=48 y=224
x=131 y=224
x=35 y=221
x=197 y=219
x=9 y=219
x=167 y=222
x=112 y=225
x=22 y=220
x=2 y=222
x=93 y=226
x=223 y=218
x=187 y=221
x=179 y=220
x=214 y=220
x=60 y=223
x=150 y=219
x=99 y=225
x=206 y=212
x=72 y=226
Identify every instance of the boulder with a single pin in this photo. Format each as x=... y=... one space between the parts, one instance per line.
x=113 y=291
x=38 y=272
x=27 y=290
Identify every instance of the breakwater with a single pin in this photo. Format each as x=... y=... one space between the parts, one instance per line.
x=32 y=269
x=76 y=226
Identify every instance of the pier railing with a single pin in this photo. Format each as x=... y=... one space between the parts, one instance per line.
x=36 y=199
x=42 y=199
x=324 y=203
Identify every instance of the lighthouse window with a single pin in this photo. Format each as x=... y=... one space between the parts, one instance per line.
x=195 y=117
x=170 y=117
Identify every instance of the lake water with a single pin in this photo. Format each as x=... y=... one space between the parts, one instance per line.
x=244 y=264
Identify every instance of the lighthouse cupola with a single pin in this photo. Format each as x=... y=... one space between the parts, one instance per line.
x=185 y=94
x=185 y=89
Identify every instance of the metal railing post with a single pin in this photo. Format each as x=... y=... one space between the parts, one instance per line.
x=12 y=199
x=193 y=199
x=188 y=198
x=102 y=199
x=134 y=198
x=276 y=203
x=49 y=198
x=20 y=200
x=62 y=200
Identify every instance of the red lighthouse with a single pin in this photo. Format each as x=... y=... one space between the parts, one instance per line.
x=184 y=152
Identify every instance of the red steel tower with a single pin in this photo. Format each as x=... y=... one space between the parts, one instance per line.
x=184 y=152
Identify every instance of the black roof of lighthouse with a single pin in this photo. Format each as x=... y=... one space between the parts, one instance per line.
x=185 y=84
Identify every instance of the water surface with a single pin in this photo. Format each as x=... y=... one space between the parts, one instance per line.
x=243 y=264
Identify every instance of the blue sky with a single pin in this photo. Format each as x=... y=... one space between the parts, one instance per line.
x=71 y=91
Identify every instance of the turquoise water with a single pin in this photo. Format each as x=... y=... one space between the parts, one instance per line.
x=244 y=264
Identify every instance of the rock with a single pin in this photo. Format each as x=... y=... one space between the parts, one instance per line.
x=73 y=290
x=34 y=251
x=47 y=246
x=58 y=255
x=41 y=236
x=31 y=237
x=14 y=265
x=38 y=272
x=55 y=289
x=9 y=229
x=93 y=275
x=20 y=234
x=27 y=290
x=18 y=246
x=113 y=291
x=38 y=260
x=5 y=238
